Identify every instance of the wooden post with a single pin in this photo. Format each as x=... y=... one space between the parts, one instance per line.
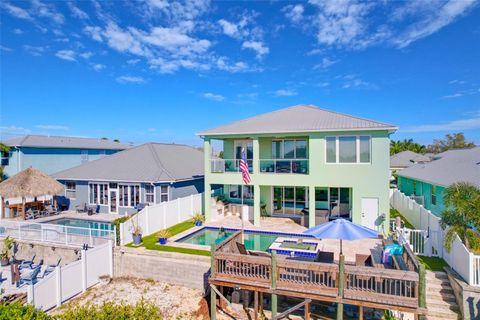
x=261 y=303
x=3 y=207
x=422 y=297
x=213 y=294
x=255 y=305
x=54 y=201
x=23 y=207
x=360 y=312
x=274 y=283
x=341 y=282
x=307 y=311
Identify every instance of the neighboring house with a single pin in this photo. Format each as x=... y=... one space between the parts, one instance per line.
x=52 y=154
x=406 y=159
x=427 y=181
x=147 y=174
x=303 y=157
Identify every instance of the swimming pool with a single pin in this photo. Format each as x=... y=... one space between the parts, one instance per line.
x=80 y=226
x=253 y=240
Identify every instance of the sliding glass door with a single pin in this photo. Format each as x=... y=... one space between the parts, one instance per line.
x=289 y=200
x=339 y=203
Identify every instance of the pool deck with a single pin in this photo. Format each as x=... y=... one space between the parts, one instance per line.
x=282 y=225
x=100 y=217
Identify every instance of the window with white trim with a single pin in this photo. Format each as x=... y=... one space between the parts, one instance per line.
x=98 y=193
x=164 y=193
x=348 y=149
x=289 y=149
x=123 y=195
x=149 y=193
x=134 y=195
x=434 y=195
x=71 y=189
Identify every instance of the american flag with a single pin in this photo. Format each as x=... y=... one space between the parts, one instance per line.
x=244 y=168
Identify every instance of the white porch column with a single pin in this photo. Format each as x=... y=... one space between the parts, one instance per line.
x=256 y=205
x=311 y=206
x=207 y=204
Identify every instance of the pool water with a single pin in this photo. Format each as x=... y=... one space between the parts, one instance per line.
x=91 y=224
x=253 y=240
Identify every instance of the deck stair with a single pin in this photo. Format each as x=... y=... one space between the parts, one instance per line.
x=441 y=303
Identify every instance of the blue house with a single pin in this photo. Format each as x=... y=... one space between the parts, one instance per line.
x=147 y=174
x=52 y=154
x=427 y=181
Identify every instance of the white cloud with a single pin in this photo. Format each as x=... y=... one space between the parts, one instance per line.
x=13 y=131
x=86 y=55
x=152 y=129
x=77 y=12
x=314 y=52
x=94 y=32
x=454 y=95
x=6 y=49
x=257 y=46
x=294 y=12
x=285 y=93
x=51 y=127
x=325 y=63
x=35 y=50
x=68 y=55
x=229 y=28
x=98 y=67
x=213 y=96
x=438 y=18
x=130 y=79
x=456 y=81
x=454 y=125
x=16 y=11
x=133 y=61
x=18 y=31
x=46 y=11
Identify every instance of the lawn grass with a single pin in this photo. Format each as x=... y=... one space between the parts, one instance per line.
x=394 y=213
x=432 y=263
x=150 y=242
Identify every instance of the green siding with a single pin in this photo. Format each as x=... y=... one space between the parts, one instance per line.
x=424 y=189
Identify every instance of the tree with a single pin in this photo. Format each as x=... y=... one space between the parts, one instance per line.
x=451 y=141
x=406 y=144
x=4 y=150
x=462 y=202
x=116 y=140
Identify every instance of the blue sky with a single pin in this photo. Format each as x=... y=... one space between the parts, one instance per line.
x=161 y=71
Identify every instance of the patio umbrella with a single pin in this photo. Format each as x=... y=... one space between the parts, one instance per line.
x=29 y=183
x=341 y=229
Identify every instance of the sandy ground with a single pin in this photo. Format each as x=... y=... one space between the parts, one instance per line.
x=174 y=302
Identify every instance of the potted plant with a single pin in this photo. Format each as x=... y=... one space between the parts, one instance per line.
x=163 y=236
x=198 y=219
x=4 y=255
x=136 y=232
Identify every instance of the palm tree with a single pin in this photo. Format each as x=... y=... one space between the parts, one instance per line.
x=462 y=202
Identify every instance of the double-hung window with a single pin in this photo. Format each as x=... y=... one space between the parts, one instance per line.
x=149 y=193
x=71 y=189
x=289 y=149
x=98 y=193
x=164 y=194
x=348 y=149
x=434 y=195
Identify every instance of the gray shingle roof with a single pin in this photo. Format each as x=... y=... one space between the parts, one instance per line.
x=448 y=167
x=406 y=159
x=38 y=141
x=149 y=162
x=298 y=119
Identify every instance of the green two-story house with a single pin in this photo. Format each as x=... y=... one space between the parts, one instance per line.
x=300 y=158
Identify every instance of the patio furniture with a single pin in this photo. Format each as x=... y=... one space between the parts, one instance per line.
x=363 y=260
x=81 y=208
x=26 y=263
x=324 y=257
x=50 y=210
x=30 y=278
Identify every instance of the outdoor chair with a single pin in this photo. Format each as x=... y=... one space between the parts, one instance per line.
x=50 y=210
x=324 y=257
x=31 y=214
x=26 y=263
x=81 y=208
x=363 y=260
x=30 y=278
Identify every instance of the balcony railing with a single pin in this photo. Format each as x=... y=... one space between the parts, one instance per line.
x=293 y=166
x=228 y=165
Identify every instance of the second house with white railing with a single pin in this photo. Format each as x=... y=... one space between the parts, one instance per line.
x=306 y=163
x=127 y=181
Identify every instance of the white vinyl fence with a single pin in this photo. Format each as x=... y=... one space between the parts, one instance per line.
x=74 y=278
x=161 y=216
x=55 y=233
x=428 y=238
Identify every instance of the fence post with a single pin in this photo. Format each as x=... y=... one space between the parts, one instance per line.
x=84 y=270
x=422 y=296
x=66 y=235
x=19 y=231
x=470 y=269
x=90 y=237
x=213 y=295
x=178 y=210
x=191 y=204
x=274 y=283
x=147 y=227
x=110 y=255
x=31 y=294
x=164 y=212
x=120 y=226
x=41 y=233
x=58 y=274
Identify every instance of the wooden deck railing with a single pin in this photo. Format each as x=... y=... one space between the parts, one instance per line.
x=300 y=278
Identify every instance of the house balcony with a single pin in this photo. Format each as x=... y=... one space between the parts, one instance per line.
x=228 y=165
x=289 y=166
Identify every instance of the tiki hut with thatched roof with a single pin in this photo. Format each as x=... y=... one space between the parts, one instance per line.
x=29 y=183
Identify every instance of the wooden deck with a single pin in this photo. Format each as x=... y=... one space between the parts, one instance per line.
x=372 y=287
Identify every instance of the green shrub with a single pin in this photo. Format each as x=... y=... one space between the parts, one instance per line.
x=116 y=223
x=143 y=310
x=20 y=312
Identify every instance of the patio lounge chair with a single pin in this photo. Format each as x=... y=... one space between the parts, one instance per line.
x=31 y=214
x=324 y=257
x=30 y=278
x=50 y=210
x=26 y=263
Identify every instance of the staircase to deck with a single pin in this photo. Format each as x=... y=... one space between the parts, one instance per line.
x=441 y=303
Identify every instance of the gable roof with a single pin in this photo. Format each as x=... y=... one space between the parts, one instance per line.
x=448 y=167
x=38 y=141
x=149 y=162
x=406 y=159
x=298 y=119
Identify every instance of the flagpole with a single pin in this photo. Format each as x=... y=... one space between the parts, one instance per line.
x=241 y=210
